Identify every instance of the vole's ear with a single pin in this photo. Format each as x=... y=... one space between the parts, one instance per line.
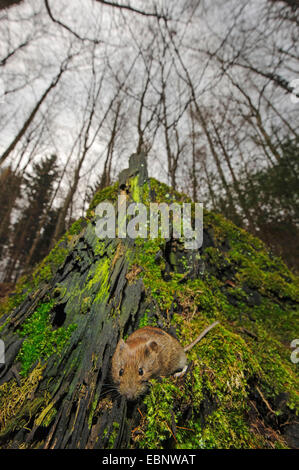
x=121 y=345
x=151 y=346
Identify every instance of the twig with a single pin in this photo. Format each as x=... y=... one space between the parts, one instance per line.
x=171 y=431
x=264 y=400
x=187 y=348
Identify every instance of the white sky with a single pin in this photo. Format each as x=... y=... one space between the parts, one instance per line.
x=31 y=70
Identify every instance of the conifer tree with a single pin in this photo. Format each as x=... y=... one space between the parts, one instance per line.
x=271 y=196
x=10 y=184
x=38 y=189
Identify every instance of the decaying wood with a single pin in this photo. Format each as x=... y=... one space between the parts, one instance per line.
x=76 y=380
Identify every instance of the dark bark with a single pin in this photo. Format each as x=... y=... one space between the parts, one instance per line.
x=82 y=371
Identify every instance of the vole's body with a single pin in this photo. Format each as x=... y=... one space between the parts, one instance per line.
x=148 y=353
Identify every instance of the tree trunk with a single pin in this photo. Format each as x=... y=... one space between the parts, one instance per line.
x=30 y=118
x=234 y=179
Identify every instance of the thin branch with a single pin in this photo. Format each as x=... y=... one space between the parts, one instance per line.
x=104 y=2
x=63 y=25
x=132 y=9
x=11 y=53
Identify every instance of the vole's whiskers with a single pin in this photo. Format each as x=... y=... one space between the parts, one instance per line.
x=106 y=392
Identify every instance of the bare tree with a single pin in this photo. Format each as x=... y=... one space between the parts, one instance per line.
x=30 y=118
x=90 y=129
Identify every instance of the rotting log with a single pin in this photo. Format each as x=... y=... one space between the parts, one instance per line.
x=91 y=291
x=55 y=387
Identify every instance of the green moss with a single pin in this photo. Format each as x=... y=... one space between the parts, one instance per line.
x=220 y=374
x=77 y=227
x=107 y=194
x=99 y=279
x=47 y=268
x=113 y=435
x=163 y=193
x=229 y=431
x=100 y=248
x=144 y=255
x=135 y=189
x=21 y=291
x=144 y=320
x=159 y=404
x=231 y=361
x=252 y=294
x=92 y=411
x=278 y=374
x=40 y=339
x=15 y=408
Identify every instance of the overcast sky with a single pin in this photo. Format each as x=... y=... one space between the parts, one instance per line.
x=119 y=34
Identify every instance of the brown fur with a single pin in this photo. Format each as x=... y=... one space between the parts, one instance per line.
x=150 y=349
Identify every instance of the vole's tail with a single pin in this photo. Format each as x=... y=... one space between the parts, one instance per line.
x=202 y=334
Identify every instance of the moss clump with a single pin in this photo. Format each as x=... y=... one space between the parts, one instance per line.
x=135 y=189
x=100 y=248
x=215 y=395
x=113 y=434
x=40 y=338
x=99 y=279
x=107 y=194
x=159 y=413
x=255 y=298
x=145 y=255
x=242 y=366
x=13 y=398
x=46 y=416
x=144 y=321
x=47 y=268
x=12 y=301
x=43 y=272
x=77 y=227
x=163 y=193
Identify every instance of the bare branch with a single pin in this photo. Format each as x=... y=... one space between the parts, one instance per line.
x=132 y=9
x=63 y=25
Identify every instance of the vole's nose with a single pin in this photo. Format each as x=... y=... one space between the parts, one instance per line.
x=130 y=396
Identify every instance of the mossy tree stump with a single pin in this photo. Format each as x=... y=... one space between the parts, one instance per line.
x=62 y=325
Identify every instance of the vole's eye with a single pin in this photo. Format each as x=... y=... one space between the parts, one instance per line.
x=121 y=372
x=140 y=371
